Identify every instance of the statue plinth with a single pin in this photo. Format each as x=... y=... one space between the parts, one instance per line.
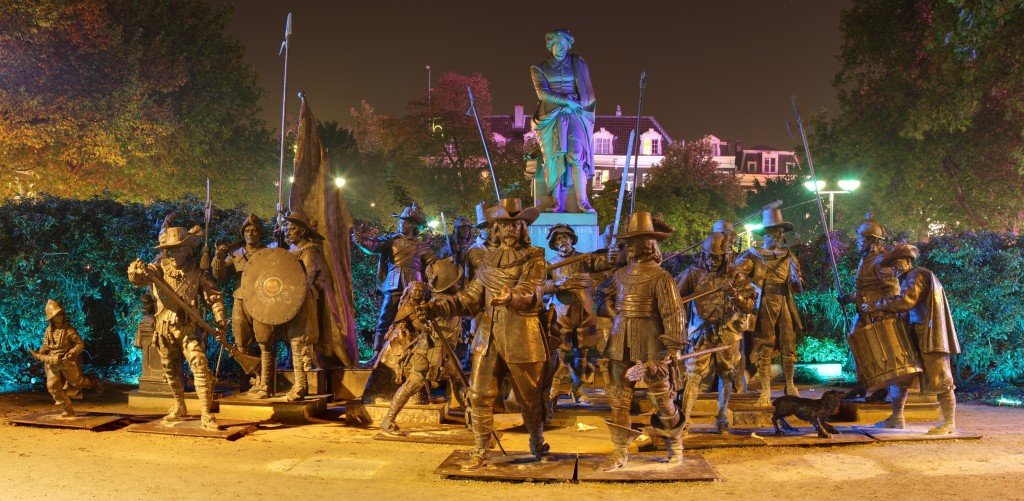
x=583 y=223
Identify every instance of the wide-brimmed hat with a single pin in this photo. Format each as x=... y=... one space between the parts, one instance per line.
x=901 y=251
x=771 y=217
x=296 y=217
x=177 y=236
x=498 y=213
x=442 y=274
x=870 y=227
x=52 y=308
x=561 y=229
x=643 y=224
x=413 y=213
x=252 y=220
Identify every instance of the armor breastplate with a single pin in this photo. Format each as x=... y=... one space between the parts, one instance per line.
x=635 y=294
x=58 y=341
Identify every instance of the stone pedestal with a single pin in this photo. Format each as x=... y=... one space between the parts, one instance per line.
x=246 y=408
x=411 y=413
x=584 y=224
x=318 y=379
x=161 y=401
x=348 y=384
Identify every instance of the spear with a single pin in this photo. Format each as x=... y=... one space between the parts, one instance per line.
x=636 y=151
x=284 y=106
x=821 y=208
x=483 y=140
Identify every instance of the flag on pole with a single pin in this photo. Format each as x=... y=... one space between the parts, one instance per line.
x=314 y=193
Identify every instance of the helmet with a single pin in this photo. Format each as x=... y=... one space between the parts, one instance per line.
x=870 y=228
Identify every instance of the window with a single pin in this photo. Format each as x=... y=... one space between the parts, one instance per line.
x=751 y=166
x=602 y=145
x=771 y=165
x=650 y=143
x=789 y=167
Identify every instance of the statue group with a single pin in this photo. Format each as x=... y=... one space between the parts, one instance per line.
x=490 y=304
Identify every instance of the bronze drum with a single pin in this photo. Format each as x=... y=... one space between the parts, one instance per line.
x=885 y=354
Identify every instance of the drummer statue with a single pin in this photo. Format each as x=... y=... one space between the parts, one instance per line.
x=775 y=271
x=922 y=304
x=564 y=121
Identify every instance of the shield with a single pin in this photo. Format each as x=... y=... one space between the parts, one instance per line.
x=273 y=286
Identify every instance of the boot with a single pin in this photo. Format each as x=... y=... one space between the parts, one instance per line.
x=203 y=391
x=579 y=181
x=764 y=374
x=947 y=405
x=477 y=461
x=67 y=411
x=898 y=395
x=724 y=393
x=788 y=367
x=690 y=394
x=177 y=411
x=387 y=425
x=672 y=435
x=618 y=426
x=482 y=424
x=300 y=388
x=262 y=390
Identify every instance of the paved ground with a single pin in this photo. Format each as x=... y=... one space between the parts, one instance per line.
x=330 y=461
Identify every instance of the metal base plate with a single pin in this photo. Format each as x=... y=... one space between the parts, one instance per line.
x=648 y=467
x=82 y=420
x=431 y=434
x=191 y=427
x=912 y=433
x=517 y=466
x=807 y=436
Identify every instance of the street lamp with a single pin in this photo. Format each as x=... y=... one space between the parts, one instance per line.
x=845 y=185
x=749 y=229
x=339 y=182
x=433 y=224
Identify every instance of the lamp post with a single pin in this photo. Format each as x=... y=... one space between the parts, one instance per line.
x=749 y=229
x=845 y=186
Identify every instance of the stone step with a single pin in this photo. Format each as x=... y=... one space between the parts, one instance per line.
x=247 y=408
x=161 y=402
x=433 y=413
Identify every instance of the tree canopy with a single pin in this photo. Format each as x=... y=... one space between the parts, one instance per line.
x=136 y=99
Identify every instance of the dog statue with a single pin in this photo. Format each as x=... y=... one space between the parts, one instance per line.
x=812 y=411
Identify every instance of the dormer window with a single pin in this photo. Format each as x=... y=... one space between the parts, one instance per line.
x=650 y=143
x=603 y=142
x=770 y=164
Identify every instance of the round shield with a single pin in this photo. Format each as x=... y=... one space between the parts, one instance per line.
x=273 y=285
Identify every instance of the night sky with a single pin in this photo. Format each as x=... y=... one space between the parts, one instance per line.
x=722 y=67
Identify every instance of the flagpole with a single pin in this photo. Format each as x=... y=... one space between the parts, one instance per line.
x=284 y=106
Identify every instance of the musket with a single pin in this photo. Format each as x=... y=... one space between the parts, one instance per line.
x=622 y=189
x=249 y=363
x=448 y=236
x=636 y=161
x=574 y=259
x=821 y=208
x=284 y=106
x=436 y=331
x=204 y=262
x=636 y=372
x=483 y=140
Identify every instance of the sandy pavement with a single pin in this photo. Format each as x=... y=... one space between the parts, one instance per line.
x=329 y=461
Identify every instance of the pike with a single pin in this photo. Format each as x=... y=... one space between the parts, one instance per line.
x=249 y=363
x=483 y=140
x=448 y=236
x=284 y=106
x=636 y=161
x=436 y=332
x=821 y=208
x=204 y=263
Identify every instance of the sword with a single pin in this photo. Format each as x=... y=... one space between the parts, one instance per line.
x=622 y=188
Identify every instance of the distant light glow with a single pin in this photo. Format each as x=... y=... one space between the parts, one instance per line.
x=810 y=185
x=753 y=227
x=849 y=184
x=433 y=224
x=1013 y=402
x=373 y=204
x=291 y=179
x=339 y=182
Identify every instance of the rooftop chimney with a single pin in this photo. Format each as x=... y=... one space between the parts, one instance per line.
x=518 y=119
x=618 y=110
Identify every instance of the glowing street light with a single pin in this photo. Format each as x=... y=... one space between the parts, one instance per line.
x=749 y=229
x=339 y=182
x=845 y=185
x=433 y=224
x=291 y=179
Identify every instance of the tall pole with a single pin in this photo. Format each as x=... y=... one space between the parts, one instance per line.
x=483 y=140
x=430 y=119
x=636 y=150
x=831 y=211
x=284 y=106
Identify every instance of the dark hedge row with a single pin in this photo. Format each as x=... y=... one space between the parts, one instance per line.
x=77 y=251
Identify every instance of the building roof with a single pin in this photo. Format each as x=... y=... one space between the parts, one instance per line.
x=618 y=125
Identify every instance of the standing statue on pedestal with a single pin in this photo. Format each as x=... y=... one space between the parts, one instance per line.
x=230 y=261
x=507 y=292
x=61 y=354
x=570 y=289
x=775 y=271
x=176 y=334
x=564 y=121
x=648 y=331
x=432 y=357
x=402 y=261
x=923 y=305
x=714 y=320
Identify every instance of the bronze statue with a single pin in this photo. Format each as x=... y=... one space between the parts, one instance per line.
x=647 y=331
x=389 y=365
x=923 y=305
x=177 y=336
x=231 y=260
x=459 y=243
x=432 y=357
x=303 y=332
x=775 y=272
x=402 y=260
x=564 y=121
x=715 y=319
x=570 y=289
x=507 y=292
x=61 y=353
x=873 y=281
